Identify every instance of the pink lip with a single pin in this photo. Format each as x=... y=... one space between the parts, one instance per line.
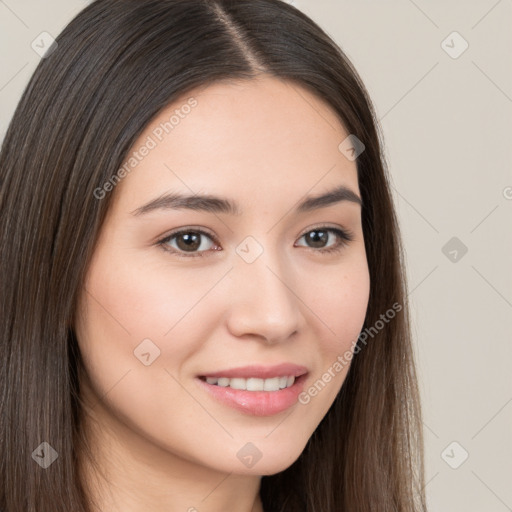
x=257 y=403
x=261 y=372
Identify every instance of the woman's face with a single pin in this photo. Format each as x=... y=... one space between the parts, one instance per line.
x=273 y=286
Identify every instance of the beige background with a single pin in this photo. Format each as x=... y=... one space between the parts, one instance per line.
x=448 y=127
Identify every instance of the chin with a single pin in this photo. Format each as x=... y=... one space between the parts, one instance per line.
x=266 y=461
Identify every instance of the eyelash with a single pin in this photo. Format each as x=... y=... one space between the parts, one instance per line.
x=344 y=237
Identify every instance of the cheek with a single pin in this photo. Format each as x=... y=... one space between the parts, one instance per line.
x=133 y=308
x=347 y=309
x=340 y=305
x=125 y=309
x=338 y=300
x=133 y=300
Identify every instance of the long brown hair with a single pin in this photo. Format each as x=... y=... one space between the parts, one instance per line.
x=115 y=66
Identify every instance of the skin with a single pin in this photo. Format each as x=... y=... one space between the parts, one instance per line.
x=161 y=441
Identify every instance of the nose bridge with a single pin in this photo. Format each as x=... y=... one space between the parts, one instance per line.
x=263 y=301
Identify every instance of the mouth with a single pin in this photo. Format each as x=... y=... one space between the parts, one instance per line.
x=253 y=395
x=252 y=383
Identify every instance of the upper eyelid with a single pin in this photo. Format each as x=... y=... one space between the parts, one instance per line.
x=192 y=229
x=197 y=229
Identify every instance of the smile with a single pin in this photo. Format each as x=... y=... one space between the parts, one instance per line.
x=253 y=383
x=254 y=396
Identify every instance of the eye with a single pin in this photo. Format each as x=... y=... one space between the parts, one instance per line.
x=189 y=241
x=321 y=235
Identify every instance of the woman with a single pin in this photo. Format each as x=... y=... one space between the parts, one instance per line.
x=203 y=301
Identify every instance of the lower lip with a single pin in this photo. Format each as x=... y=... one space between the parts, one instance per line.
x=257 y=403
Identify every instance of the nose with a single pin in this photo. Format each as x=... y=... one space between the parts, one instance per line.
x=263 y=301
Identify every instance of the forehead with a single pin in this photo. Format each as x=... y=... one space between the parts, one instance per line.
x=247 y=139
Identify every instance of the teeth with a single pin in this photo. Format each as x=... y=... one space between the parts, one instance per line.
x=267 y=384
x=252 y=383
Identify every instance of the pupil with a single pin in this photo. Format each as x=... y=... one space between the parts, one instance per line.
x=192 y=241
x=315 y=237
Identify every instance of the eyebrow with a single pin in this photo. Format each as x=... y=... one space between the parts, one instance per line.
x=216 y=204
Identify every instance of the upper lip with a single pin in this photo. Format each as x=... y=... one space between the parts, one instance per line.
x=259 y=371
